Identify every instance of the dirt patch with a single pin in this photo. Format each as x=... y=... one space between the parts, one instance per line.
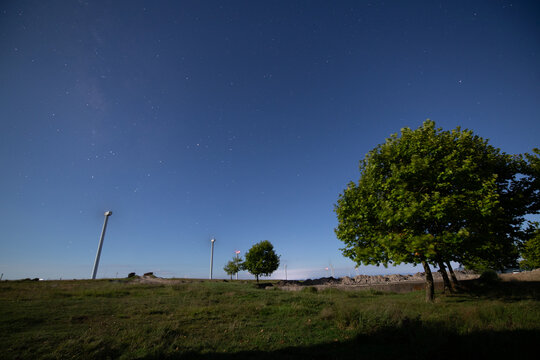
x=152 y=279
x=393 y=283
x=533 y=275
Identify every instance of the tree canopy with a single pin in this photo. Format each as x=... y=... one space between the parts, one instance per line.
x=531 y=249
x=261 y=259
x=530 y=182
x=430 y=197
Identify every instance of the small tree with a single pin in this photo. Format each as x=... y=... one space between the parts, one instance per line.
x=233 y=266
x=261 y=259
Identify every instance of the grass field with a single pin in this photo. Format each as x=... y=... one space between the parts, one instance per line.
x=234 y=320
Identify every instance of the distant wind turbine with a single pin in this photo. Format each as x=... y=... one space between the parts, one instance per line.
x=96 y=263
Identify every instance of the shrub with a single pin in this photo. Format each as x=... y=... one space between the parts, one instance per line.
x=489 y=277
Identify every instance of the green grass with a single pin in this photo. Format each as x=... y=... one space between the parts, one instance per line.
x=230 y=320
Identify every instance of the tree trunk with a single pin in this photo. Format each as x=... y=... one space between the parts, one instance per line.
x=430 y=290
x=257 y=278
x=446 y=280
x=452 y=275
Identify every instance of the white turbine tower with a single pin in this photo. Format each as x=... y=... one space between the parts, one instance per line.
x=96 y=263
x=213 y=240
x=237 y=252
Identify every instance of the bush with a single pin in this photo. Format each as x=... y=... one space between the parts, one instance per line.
x=489 y=277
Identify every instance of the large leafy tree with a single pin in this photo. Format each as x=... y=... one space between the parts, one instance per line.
x=261 y=259
x=425 y=197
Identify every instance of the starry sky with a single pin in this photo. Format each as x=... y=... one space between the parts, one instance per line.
x=241 y=120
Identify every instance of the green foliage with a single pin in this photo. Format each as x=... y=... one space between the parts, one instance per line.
x=530 y=184
x=531 y=250
x=431 y=195
x=531 y=181
x=261 y=259
x=233 y=266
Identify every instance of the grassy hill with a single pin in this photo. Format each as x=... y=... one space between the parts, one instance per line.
x=195 y=319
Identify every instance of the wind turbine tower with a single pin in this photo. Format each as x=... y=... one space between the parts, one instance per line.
x=96 y=263
x=213 y=240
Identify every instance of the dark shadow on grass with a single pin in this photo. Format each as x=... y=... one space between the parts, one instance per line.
x=412 y=340
x=502 y=290
x=263 y=285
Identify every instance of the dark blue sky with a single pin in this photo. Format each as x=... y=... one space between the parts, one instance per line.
x=242 y=120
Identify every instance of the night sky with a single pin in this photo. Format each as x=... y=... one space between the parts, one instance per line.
x=242 y=120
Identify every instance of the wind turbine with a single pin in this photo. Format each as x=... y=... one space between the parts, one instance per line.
x=96 y=262
x=237 y=252
x=213 y=240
